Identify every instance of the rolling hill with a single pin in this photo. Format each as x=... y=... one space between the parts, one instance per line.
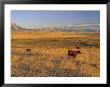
x=68 y=28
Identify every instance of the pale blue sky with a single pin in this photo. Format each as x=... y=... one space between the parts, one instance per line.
x=35 y=18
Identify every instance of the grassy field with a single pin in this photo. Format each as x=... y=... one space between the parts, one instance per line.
x=49 y=58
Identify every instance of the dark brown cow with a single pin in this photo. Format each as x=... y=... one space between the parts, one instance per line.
x=28 y=51
x=77 y=47
x=73 y=53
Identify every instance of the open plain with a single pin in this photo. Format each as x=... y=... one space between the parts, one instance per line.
x=48 y=55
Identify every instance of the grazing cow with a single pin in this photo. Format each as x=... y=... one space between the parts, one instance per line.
x=77 y=47
x=73 y=53
x=28 y=50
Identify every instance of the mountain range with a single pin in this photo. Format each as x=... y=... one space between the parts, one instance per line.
x=67 y=28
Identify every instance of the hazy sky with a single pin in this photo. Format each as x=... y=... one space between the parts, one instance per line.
x=35 y=18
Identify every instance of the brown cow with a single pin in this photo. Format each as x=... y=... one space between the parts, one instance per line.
x=77 y=47
x=28 y=50
x=73 y=53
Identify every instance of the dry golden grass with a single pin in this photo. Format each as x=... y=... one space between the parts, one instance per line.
x=45 y=34
x=49 y=54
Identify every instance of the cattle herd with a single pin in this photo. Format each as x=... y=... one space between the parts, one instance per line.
x=71 y=53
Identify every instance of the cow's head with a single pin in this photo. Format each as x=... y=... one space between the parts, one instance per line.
x=78 y=52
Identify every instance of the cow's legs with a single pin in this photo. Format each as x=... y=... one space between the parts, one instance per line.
x=74 y=57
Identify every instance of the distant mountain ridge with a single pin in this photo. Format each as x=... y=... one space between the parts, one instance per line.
x=68 y=28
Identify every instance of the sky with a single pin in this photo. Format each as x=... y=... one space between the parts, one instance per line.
x=36 y=19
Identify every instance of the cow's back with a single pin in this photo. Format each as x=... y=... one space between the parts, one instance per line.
x=70 y=52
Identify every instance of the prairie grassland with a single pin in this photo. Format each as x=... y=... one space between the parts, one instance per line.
x=49 y=58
